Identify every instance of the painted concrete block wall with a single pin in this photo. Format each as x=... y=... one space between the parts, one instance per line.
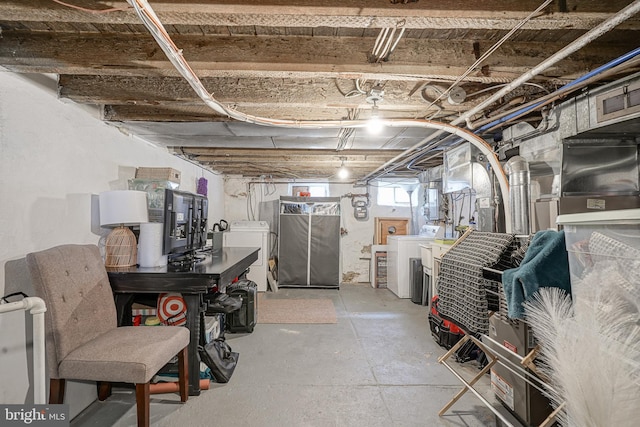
x=53 y=157
x=242 y=200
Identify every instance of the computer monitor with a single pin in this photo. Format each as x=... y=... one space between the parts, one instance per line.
x=185 y=222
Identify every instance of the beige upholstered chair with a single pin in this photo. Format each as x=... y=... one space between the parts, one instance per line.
x=83 y=340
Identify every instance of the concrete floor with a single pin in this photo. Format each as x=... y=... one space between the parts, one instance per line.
x=377 y=366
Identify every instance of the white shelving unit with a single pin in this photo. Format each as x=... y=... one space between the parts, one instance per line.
x=251 y=234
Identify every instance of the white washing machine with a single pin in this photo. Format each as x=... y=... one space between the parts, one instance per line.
x=251 y=234
x=400 y=249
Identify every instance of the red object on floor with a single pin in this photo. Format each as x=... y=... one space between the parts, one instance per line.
x=452 y=327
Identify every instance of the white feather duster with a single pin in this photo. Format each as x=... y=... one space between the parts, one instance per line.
x=591 y=349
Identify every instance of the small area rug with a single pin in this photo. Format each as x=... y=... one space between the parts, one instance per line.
x=282 y=310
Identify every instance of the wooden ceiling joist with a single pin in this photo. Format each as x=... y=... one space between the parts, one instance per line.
x=290 y=57
x=286 y=163
x=300 y=60
x=488 y=14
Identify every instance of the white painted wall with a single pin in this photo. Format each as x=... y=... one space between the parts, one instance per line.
x=355 y=244
x=53 y=156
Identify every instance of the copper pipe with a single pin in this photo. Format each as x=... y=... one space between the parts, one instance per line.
x=173 y=387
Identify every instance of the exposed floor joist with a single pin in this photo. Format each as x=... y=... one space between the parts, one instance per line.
x=300 y=61
x=489 y=14
x=284 y=163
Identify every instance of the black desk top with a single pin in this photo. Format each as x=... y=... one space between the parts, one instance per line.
x=219 y=269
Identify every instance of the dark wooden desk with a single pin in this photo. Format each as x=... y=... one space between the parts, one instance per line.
x=217 y=269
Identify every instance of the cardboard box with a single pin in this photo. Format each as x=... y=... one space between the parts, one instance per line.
x=168 y=174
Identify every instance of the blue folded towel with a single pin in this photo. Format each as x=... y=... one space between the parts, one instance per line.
x=545 y=264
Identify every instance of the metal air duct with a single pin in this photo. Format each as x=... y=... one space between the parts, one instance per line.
x=518 y=170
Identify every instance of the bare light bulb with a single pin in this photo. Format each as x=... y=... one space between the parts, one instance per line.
x=343 y=172
x=374 y=125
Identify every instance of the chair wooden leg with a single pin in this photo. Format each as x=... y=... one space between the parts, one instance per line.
x=183 y=374
x=56 y=391
x=104 y=390
x=142 y=403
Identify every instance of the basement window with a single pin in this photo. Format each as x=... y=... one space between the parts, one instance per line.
x=316 y=189
x=393 y=195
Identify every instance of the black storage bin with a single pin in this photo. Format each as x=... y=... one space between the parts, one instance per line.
x=415 y=277
x=438 y=330
x=452 y=339
x=244 y=319
x=441 y=332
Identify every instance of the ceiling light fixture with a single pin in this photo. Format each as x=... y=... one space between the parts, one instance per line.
x=374 y=125
x=343 y=172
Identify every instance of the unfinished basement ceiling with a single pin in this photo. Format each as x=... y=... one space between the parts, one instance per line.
x=304 y=60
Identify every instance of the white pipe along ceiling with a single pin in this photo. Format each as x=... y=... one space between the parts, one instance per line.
x=295 y=83
x=151 y=21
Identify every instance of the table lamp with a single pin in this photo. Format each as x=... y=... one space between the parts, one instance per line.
x=121 y=209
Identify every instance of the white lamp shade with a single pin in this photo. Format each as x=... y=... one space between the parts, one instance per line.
x=123 y=207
